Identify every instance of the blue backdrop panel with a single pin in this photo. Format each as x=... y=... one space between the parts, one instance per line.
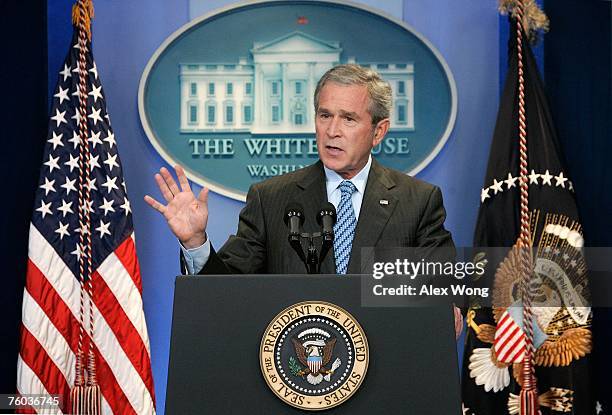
x=125 y=36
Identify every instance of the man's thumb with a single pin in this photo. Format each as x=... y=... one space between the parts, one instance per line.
x=203 y=196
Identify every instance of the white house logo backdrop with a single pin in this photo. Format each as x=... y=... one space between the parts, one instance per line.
x=314 y=355
x=230 y=95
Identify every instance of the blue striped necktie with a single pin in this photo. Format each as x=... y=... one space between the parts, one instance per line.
x=344 y=229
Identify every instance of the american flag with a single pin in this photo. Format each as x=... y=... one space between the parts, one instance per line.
x=52 y=297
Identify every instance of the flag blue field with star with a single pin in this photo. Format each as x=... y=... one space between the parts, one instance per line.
x=56 y=207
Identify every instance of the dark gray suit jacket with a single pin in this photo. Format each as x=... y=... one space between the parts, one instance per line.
x=413 y=217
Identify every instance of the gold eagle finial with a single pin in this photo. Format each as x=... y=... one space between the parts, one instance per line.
x=534 y=19
x=83 y=9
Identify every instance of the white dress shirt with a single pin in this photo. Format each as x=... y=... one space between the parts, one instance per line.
x=196 y=258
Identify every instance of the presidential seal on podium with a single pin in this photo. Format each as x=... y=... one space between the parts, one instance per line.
x=314 y=355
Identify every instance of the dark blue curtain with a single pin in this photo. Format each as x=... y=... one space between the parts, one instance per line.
x=578 y=75
x=23 y=127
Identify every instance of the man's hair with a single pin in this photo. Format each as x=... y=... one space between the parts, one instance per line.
x=379 y=90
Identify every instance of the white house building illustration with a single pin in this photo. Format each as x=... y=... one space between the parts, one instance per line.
x=273 y=92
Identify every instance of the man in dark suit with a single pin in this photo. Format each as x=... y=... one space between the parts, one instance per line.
x=376 y=206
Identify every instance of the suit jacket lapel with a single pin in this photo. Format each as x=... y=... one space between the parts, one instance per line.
x=314 y=194
x=373 y=215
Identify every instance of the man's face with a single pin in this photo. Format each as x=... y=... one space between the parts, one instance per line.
x=345 y=134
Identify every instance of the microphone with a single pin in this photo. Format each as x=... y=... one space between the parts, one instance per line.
x=294 y=219
x=326 y=218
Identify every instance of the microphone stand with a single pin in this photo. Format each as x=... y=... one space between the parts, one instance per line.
x=326 y=219
x=312 y=260
x=328 y=242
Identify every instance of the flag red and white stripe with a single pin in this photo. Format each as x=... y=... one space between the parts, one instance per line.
x=49 y=332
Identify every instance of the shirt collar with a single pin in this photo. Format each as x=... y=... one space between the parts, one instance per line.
x=333 y=179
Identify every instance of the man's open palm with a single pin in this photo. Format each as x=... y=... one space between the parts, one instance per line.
x=186 y=215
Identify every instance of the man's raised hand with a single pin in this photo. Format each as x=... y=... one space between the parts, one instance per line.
x=186 y=215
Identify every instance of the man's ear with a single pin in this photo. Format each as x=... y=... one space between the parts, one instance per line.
x=380 y=130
